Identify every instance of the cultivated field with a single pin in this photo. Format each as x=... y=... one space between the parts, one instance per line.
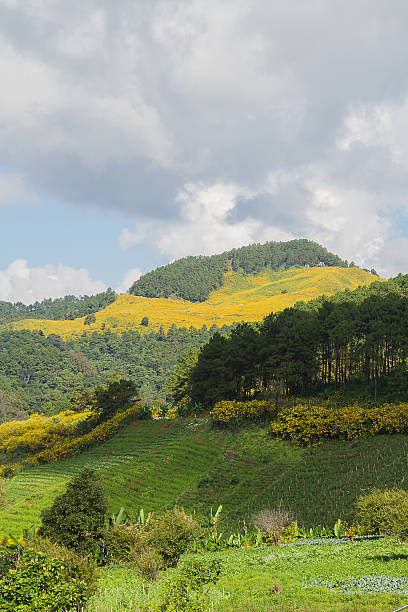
x=156 y=464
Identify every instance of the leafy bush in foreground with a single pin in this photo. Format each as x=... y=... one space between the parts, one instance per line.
x=32 y=582
x=385 y=512
x=80 y=568
x=185 y=590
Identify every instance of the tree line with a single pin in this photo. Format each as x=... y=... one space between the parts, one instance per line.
x=355 y=336
x=68 y=307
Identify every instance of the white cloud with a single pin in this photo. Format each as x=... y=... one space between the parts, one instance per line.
x=347 y=221
x=392 y=258
x=128 y=279
x=19 y=283
x=204 y=227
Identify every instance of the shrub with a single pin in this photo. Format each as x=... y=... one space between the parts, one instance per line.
x=125 y=543
x=144 y=321
x=171 y=533
x=273 y=521
x=33 y=582
x=232 y=411
x=185 y=590
x=199 y=573
x=148 y=563
x=308 y=425
x=384 y=512
x=80 y=568
x=76 y=518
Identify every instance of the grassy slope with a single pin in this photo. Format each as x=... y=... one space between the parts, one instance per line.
x=249 y=577
x=247 y=298
x=156 y=464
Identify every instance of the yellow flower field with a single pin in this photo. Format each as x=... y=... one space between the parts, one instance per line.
x=248 y=298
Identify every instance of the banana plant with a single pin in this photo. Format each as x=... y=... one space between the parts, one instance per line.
x=29 y=533
x=144 y=519
x=117 y=519
x=338 y=528
x=214 y=518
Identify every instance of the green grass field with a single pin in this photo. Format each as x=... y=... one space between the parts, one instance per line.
x=277 y=579
x=156 y=464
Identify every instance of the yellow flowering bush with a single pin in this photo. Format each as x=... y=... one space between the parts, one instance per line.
x=309 y=425
x=68 y=447
x=39 y=431
x=232 y=411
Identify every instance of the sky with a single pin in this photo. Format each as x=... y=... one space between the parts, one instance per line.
x=135 y=133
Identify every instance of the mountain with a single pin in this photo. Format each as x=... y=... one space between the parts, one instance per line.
x=194 y=278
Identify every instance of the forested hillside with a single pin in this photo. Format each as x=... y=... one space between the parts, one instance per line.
x=355 y=336
x=193 y=278
x=68 y=307
x=39 y=373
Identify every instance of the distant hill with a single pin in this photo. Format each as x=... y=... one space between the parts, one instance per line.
x=242 y=297
x=68 y=307
x=194 y=278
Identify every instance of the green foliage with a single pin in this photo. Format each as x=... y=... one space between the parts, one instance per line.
x=148 y=562
x=178 y=385
x=144 y=321
x=184 y=591
x=46 y=374
x=89 y=319
x=201 y=572
x=68 y=307
x=353 y=337
x=171 y=533
x=193 y=278
x=125 y=542
x=385 y=511
x=117 y=519
x=115 y=397
x=32 y=582
x=80 y=568
x=77 y=517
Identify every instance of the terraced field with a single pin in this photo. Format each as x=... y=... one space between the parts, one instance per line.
x=248 y=298
x=149 y=465
x=156 y=464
